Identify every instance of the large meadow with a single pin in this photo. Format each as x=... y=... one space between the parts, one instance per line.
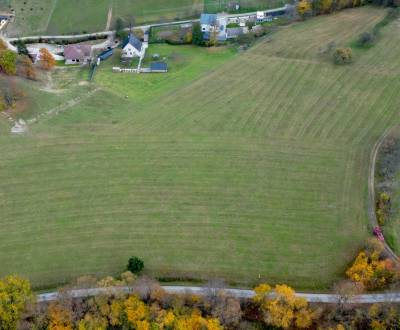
x=244 y=166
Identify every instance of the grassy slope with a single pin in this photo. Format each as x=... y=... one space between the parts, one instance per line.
x=255 y=169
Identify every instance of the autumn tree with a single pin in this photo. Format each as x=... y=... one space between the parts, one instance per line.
x=60 y=318
x=304 y=8
x=25 y=67
x=343 y=55
x=47 y=61
x=15 y=293
x=8 y=62
x=322 y=6
x=136 y=312
x=93 y=322
x=371 y=271
x=196 y=321
x=3 y=45
x=283 y=309
x=383 y=316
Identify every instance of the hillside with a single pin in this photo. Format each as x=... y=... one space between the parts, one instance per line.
x=251 y=168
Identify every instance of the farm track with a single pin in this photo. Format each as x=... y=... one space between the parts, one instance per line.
x=371 y=191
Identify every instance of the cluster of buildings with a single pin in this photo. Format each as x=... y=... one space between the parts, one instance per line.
x=223 y=27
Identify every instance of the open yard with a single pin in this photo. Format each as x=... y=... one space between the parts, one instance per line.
x=251 y=168
x=76 y=16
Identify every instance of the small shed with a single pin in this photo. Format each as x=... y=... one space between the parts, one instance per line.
x=105 y=55
x=158 y=67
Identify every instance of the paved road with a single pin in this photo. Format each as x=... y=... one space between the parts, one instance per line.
x=142 y=27
x=239 y=293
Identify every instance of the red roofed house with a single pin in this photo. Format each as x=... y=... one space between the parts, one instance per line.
x=77 y=54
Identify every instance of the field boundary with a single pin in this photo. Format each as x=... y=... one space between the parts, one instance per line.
x=371 y=190
x=324 y=298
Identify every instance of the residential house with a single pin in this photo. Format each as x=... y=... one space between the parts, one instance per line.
x=213 y=25
x=77 y=54
x=132 y=47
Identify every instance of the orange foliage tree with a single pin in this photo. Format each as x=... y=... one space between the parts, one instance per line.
x=47 y=61
x=59 y=318
x=371 y=271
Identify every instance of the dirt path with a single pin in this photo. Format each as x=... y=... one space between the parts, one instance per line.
x=109 y=18
x=63 y=107
x=371 y=190
x=50 y=15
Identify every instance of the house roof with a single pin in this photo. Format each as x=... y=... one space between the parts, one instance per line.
x=234 y=32
x=74 y=52
x=159 y=66
x=135 y=42
x=106 y=54
x=208 y=19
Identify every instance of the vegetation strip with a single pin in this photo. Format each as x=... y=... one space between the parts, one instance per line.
x=371 y=190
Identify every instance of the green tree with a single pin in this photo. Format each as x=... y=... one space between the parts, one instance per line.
x=15 y=293
x=135 y=265
x=22 y=50
x=8 y=62
x=119 y=29
x=197 y=35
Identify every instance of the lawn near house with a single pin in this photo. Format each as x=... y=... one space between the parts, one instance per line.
x=185 y=64
x=253 y=168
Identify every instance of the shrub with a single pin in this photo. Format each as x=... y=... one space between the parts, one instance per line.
x=343 y=56
x=197 y=35
x=135 y=265
x=366 y=39
x=383 y=207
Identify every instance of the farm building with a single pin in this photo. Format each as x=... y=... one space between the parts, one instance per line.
x=105 y=55
x=77 y=54
x=132 y=47
x=234 y=32
x=213 y=24
x=158 y=67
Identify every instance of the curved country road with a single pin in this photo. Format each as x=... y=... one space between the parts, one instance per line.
x=238 y=293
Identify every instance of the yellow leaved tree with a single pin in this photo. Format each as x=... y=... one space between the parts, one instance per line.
x=283 y=309
x=15 y=293
x=137 y=313
x=304 y=7
x=371 y=271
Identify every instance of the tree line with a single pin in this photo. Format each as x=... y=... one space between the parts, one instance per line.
x=150 y=307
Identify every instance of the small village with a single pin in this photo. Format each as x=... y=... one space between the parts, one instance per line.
x=216 y=29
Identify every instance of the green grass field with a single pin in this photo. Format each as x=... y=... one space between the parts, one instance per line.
x=77 y=16
x=249 y=167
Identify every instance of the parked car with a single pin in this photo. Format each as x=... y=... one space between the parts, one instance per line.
x=378 y=233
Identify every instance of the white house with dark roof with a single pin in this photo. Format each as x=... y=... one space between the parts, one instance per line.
x=132 y=47
x=213 y=24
